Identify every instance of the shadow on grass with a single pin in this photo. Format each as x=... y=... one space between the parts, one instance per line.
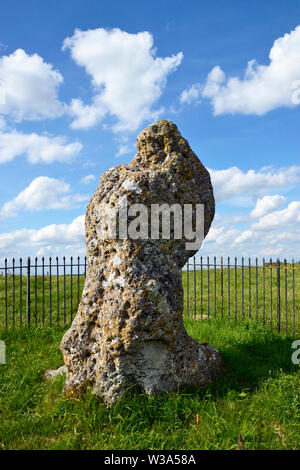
x=251 y=354
x=248 y=364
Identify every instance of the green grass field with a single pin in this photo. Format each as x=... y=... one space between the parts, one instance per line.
x=45 y=309
x=60 y=307
x=258 y=397
x=252 y=294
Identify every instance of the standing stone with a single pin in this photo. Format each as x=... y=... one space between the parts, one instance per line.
x=128 y=330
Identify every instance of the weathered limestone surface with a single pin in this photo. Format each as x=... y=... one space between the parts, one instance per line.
x=128 y=330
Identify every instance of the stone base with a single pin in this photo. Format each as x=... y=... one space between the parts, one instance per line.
x=156 y=368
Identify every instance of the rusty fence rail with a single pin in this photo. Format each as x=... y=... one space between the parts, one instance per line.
x=41 y=292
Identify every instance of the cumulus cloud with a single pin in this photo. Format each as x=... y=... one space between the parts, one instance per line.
x=127 y=76
x=244 y=236
x=225 y=238
x=88 y=179
x=233 y=181
x=42 y=193
x=267 y=204
x=59 y=239
x=272 y=243
x=263 y=87
x=125 y=145
x=277 y=235
x=191 y=94
x=29 y=86
x=38 y=148
x=124 y=149
x=61 y=234
x=283 y=218
x=86 y=116
x=2 y=123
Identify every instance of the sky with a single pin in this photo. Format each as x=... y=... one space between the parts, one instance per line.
x=79 y=81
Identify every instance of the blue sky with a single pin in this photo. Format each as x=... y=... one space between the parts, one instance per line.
x=82 y=79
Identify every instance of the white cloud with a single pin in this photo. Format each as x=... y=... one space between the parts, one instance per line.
x=268 y=243
x=55 y=239
x=244 y=236
x=31 y=87
x=38 y=148
x=86 y=116
x=42 y=193
x=267 y=204
x=2 y=123
x=276 y=234
x=191 y=94
x=276 y=237
x=286 y=217
x=127 y=77
x=224 y=239
x=263 y=87
x=88 y=179
x=60 y=234
x=2 y=93
x=233 y=182
x=124 y=149
x=124 y=145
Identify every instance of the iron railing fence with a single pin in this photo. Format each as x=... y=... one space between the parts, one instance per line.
x=268 y=290
x=40 y=292
x=44 y=292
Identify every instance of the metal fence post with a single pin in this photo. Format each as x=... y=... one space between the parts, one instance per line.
x=187 y=288
x=201 y=285
x=293 y=298
x=57 y=289
x=35 y=290
x=222 y=296
x=43 y=286
x=243 y=287
x=271 y=294
x=285 y=295
x=264 y=291
x=6 y=319
x=249 y=287
x=28 y=291
x=64 y=266
x=13 y=290
x=235 y=287
x=50 y=290
x=71 y=275
x=208 y=290
x=228 y=285
x=278 y=295
x=21 y=291
x=256 y=286
x=280 y=286
x=215 y=284
x=195 y=307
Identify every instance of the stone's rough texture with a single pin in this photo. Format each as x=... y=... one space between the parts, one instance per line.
x=128 y=330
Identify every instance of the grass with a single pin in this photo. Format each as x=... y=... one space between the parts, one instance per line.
x=55 y=299
x=252 y=294
x=52 y=299
x=259 y=397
